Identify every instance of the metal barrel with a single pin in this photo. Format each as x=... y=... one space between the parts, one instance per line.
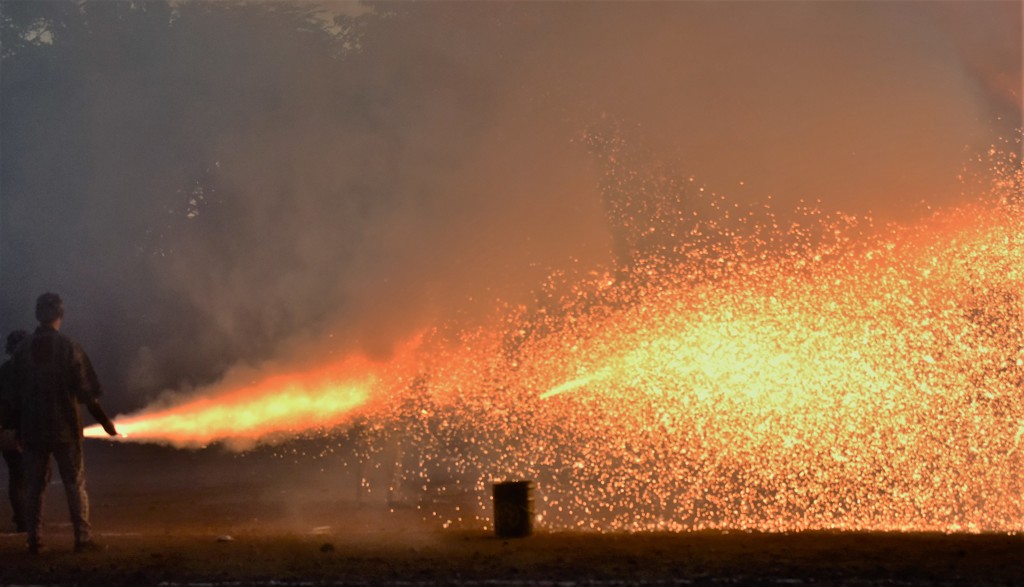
x=513 y=509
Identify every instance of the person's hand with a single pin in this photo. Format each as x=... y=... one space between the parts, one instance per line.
x=101 y=417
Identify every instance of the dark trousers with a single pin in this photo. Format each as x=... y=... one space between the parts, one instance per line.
x=71 y=465
x=16 y=486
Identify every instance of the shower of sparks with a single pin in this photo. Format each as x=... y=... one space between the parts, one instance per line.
x=816 y=374
x=880 y=389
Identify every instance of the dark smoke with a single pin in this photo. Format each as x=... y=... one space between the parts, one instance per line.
x=214 y=183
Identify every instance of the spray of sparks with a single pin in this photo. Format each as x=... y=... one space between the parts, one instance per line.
x=809 y=374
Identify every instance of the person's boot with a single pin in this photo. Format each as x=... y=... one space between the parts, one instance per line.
x=89 y=546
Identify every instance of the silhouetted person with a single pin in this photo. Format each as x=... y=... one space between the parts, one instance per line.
x=55 y=376
x=9 y=425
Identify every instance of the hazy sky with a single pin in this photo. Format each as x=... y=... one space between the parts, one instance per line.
x=211 y=183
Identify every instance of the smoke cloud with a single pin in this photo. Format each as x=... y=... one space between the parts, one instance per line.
x=210 y=184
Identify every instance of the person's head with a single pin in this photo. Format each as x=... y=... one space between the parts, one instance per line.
x=13 y=339
x=49 y=308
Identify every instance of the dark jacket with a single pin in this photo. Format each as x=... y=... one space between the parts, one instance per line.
x=54 y=375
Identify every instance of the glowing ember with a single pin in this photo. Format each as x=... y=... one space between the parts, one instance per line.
x=799 y=376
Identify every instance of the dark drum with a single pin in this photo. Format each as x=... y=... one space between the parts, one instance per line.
x=513 y=509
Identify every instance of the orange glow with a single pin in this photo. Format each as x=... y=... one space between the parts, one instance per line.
x=856 y=382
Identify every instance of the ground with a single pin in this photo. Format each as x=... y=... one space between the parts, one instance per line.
x=172 y=517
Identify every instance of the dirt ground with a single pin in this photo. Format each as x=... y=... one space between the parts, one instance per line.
x=171 y=517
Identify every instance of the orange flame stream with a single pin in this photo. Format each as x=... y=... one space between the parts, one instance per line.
x=275 y=407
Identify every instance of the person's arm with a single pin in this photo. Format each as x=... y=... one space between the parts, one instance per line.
x=101 y=417
x=90 y=391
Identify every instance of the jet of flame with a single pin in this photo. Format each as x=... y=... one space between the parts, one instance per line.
x=270 y=408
